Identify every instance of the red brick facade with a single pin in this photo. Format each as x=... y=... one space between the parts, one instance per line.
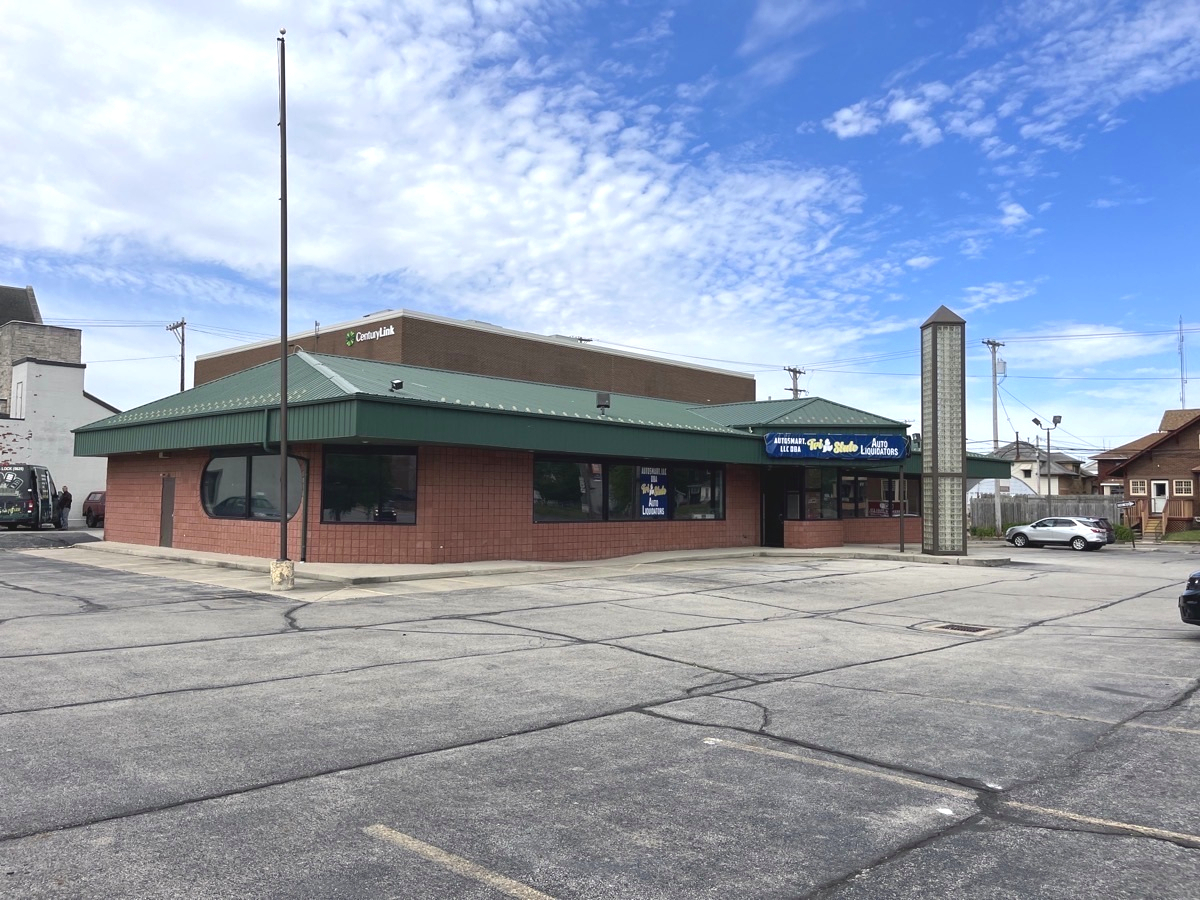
x=471 y=505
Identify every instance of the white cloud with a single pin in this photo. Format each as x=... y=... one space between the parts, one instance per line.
x=921 y=262
x=994 y=293
x=853 y=121
x=1013 y=215
x=1048 y=71
x=775 y=21
x=914 y=113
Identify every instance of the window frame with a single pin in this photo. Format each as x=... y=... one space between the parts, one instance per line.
x=370 y=450
x=1176 y=482
x=246 y=457
x=1138 y=487
x=718 y=481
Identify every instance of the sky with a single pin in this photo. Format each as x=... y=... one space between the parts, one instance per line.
x=744 y=184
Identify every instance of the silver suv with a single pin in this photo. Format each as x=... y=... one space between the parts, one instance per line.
x=1076 y=532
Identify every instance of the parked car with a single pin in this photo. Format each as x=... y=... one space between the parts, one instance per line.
x=93 y=509
x=1104 y=523
x=27 y=497
x=235 y=508
x=1189 y=600
x=1078 y=533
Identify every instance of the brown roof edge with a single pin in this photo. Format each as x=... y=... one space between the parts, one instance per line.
x=1174 y=419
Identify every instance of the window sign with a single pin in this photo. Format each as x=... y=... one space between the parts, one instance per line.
x=836 y=446
x=653 y=492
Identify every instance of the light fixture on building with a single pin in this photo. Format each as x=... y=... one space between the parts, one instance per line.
x=603 y=401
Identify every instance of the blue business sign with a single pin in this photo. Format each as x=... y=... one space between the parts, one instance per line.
x=786 y=444
x=653 y=484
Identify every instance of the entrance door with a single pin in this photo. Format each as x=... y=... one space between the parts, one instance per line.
x=166 y=516
x=1158 y=497
x=774 y=506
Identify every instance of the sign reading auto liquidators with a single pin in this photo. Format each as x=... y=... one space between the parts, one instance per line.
x=837 y=446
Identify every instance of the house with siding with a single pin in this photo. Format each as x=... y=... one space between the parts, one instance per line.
x=1158 y=474
x=1058 y=473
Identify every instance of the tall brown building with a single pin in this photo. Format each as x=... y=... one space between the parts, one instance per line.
x=421 y=339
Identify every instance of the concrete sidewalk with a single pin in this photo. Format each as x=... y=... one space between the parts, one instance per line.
x=376 y=573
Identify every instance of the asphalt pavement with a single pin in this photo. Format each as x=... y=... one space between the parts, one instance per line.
x=676 y=727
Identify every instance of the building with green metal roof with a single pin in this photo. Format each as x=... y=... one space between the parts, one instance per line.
x=397 y=463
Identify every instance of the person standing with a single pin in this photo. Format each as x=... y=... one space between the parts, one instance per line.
x=64 y=506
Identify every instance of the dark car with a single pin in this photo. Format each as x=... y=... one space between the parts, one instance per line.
x=27 y=497
x=1189 y=600
x=1076 y=532
x=93 y=509
x=235 y=508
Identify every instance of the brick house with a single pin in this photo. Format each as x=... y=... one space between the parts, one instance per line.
x=1158 y=474
x=1061 y=473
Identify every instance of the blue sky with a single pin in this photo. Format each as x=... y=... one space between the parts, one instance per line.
x=750 y=185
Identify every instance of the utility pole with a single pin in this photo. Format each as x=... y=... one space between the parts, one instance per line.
x=994 y=346
x=179 y=329
x=1182 y=369
x=795 y=373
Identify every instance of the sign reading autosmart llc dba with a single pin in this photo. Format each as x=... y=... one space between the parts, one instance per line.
x=836 y=446
x=355 y=337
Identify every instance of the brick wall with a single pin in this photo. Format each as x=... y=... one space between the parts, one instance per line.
x=806 y=535
x=458 y=347
x=881 y=531
x=471 y=505
x=19 y=340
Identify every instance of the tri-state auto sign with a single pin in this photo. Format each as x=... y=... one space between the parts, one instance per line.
x=781 y=444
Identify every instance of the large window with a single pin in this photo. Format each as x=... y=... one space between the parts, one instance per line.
x=1137 y=486
x=571 y=490
x=369 y=485
x=246 y=486
x=1182 y=487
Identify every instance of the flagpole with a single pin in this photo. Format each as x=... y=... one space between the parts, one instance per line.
x=283 y=572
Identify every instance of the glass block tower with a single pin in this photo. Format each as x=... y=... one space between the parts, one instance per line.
x=943 y=443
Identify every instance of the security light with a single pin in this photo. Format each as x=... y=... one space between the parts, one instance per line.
x=1057 y=419
x=1037 y=422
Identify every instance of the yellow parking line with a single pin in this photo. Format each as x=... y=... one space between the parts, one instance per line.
x=1127 y=827
x=456 y=864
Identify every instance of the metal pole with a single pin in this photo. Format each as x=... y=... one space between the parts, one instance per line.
x=284 y=572
x=179 y=329
x=993 y=346
x=1049 y=508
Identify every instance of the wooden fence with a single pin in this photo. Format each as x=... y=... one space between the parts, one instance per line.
x=1024 y=508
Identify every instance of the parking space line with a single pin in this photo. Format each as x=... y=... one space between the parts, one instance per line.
x=945 y=790
x=1036 y=710
x=1162 y=833
x=456 y=864
x=1127 y=827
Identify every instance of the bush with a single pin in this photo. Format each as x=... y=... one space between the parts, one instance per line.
x=1124 y=533
x=983 y=531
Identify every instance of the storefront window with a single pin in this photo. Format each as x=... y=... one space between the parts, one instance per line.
x=820 y=493
x=696 y=492
x=568 y=492
x=592 y=491
x=370 y=485
x=852 y=493
x=247 y=487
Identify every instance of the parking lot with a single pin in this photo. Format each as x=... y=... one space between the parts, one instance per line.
x=782 y=727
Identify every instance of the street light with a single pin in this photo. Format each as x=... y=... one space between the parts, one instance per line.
x=1047 y=429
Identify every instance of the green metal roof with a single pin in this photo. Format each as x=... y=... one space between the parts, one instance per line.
x=339 y=398
x=805 y=412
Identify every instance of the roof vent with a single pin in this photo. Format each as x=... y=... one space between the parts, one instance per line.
x=397 y=384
